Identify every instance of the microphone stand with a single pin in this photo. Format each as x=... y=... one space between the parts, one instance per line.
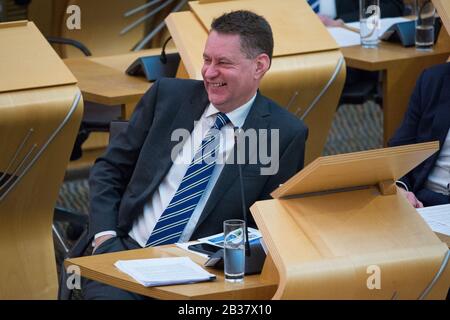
x=241 y=181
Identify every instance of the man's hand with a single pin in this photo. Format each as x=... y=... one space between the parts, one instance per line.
x=327 y=21
x=100 y=240
x=411 y=198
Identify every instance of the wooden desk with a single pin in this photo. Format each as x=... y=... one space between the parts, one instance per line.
x=101 y=268
x=103 y=79
x=401 y=67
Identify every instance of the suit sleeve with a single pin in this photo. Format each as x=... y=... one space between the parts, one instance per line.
x=291 y=161
x=407 y=132
x=111 y=172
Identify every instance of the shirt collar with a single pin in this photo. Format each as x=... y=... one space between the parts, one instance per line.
x=237 y=116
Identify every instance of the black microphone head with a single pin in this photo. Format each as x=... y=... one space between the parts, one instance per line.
x=163 y=58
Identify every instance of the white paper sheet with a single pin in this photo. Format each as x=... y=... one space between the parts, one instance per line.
x=346 y=38
x=437 y=217
x=164 y=271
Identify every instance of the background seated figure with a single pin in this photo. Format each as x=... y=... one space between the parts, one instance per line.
x=428 y=119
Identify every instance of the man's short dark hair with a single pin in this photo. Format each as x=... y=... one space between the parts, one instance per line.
x=254 y=30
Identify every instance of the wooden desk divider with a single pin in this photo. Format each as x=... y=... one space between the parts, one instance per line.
x=307 y=72
x=443 y=9
x=334 y=233
x=40 y=114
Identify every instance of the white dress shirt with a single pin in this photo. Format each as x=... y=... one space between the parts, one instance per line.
x=439 y=177
x=160 y=199
x=328 y=8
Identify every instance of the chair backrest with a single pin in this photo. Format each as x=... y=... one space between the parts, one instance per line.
x=39 y=119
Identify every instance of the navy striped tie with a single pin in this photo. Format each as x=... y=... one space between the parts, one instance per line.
x=315 y=5
x=173 y=220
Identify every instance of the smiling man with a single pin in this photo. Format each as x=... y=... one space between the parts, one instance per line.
x=144 y=194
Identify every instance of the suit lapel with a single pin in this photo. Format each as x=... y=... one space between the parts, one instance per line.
x=258 y=118
x=441 y=122
x=439 y=127
x=188 y=113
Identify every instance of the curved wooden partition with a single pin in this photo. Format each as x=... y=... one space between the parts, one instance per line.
x=308 y=85
x=334 y=232
x=39 y=120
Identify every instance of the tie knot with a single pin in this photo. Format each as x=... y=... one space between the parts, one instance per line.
x=221 y=120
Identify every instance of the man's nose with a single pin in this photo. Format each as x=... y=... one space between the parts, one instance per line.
x=211 y=71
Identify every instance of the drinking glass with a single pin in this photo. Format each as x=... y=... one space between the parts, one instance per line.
x=234 y=250
x=369 y=20
x=425 y=16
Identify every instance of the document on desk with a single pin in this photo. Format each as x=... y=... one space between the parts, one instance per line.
x=344 y=37
x=347 y=38
x=437 y=217
x=164 y=271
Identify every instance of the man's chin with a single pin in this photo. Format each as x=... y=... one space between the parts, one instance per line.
x=217 y=102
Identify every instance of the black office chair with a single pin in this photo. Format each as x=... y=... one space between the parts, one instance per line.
x=361 y=86
x=82 y=244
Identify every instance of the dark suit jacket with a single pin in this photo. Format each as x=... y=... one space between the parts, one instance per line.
x=427 y=119
x=348 y=10
x=135 y=163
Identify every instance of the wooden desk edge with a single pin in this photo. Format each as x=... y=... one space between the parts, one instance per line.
x=254 y=288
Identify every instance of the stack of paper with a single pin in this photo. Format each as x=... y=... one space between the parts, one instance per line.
x=437 y=217
x=164 y=271
x=346 y=38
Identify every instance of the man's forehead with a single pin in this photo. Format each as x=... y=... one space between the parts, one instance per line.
x=227 y=49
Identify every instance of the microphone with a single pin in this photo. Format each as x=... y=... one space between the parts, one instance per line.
x=254 y=254
x=163 y=56
x=241 y=182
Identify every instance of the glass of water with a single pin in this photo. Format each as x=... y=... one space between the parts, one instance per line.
x=425 y=17
x=369 y=20
x=234 y=250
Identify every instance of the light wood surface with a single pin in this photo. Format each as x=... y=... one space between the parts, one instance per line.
x=288 y=19
x=326 y=245
x=23 y=68
x=106 y=85
x=322 y=246
x=28 y=267
x=401 y=67
x=295 y=81
x=103 y=79
x=101 y=268
x=39 y=121
x=356 y=169
x=443 y=9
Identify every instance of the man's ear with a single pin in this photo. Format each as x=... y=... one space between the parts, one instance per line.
x=262 y=65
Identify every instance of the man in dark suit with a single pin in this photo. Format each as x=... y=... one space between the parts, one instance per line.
x=147 y=176
x=428 y=119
